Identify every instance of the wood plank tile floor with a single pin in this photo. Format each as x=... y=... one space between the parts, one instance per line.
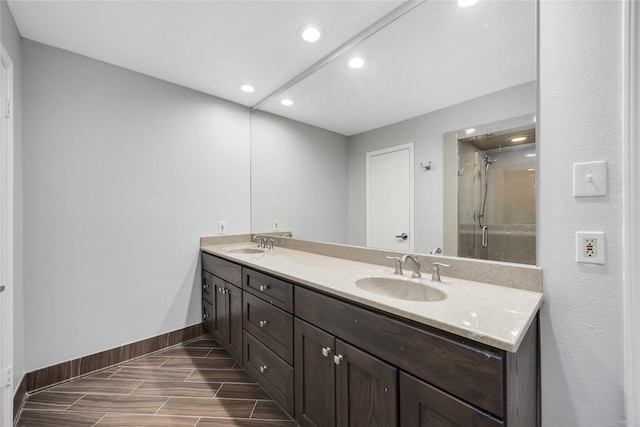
x=192 y=385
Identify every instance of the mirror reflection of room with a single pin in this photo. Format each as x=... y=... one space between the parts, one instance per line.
x=434 y=70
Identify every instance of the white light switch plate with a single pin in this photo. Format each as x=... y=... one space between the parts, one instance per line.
x=590 y=179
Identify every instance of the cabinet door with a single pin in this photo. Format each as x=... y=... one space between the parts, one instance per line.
x=220 y=329
x=314 y=376
x=234 y=321
x=207 y=315
x=425 y=406
x=366 y=389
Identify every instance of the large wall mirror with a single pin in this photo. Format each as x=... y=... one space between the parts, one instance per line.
x=428 y=147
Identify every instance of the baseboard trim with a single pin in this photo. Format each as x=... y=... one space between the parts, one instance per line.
x=52 y=375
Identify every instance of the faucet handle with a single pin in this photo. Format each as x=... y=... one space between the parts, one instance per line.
x=398 y=265
x=435 y=275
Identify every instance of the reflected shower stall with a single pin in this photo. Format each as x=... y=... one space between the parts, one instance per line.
x=497 y=196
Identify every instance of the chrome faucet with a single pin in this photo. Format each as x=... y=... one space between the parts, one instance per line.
x=261 y=241
x=287 y=234
x=436 y=251
x=271 y=244
x=398 y=261
x=416 y=270
x=435 y=275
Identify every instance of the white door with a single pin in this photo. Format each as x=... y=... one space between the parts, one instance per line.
x=6 y=244
x=390 y=198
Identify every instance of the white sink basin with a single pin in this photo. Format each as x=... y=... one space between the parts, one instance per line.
x=245 y=251
x=404 y=289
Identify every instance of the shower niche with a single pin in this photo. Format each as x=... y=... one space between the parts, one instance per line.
x=497 y=196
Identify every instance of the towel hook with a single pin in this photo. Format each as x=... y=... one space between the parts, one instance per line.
x=425 y=167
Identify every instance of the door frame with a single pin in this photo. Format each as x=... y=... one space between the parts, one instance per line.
x=6 y=248
x=631 y=202
x=370 y=154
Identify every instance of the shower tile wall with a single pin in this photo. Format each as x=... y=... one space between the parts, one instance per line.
x=510 y=210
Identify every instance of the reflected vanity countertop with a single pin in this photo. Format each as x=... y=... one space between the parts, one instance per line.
x=494 y=315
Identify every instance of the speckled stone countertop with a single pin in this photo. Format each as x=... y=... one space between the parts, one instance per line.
x=498 y=316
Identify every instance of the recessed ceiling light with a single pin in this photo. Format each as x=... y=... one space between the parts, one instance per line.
x=470 y=131
x=518 y=138
x=311 y=33
x=356 y=62
x=247 y=87
x=286 y=102
x=467 y=3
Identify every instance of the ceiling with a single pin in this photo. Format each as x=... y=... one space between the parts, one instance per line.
x=434 y=56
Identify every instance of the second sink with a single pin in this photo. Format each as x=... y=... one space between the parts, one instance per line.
x=404 y=289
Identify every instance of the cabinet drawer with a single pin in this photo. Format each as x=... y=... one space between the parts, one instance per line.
x=275 y=291
x=224 y=269
x=474 y=373
x=270 y=371
x=207 y=286
x=270 y=325
x=207 y=315
x=424 y=405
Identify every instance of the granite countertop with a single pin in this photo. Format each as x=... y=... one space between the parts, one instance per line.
x=498 y=316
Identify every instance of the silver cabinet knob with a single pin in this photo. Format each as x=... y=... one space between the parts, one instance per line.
x=263 y=323
x=326 y=351
x=263 y=288
x=205 y=316
x=205 y=286
x=337 y=359
x=263 y=369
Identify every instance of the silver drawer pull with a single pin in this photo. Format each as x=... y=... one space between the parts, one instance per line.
x=326 y=351
x=263 y=288
x=263 y=323
x=337 y=359
x=263 y=369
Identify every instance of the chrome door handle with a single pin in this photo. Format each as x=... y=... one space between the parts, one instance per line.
x=403 y=236
x=485 y=236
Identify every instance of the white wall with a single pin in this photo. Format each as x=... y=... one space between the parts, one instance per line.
x=426 y=132
x=580 y=120
x=12 y=43
x=298 y=176
x=122 y=175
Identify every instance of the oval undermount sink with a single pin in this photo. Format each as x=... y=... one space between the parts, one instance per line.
x=245 y=251
x=403 y=289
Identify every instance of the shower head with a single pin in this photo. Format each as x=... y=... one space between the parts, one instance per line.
x=488 y=159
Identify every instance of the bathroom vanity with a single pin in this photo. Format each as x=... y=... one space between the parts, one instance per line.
x=332 y=354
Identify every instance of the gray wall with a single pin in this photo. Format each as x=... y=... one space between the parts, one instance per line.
x=12 y=43
x=122 y=175
x=299 y=175
x=581 y=99
x=426 y=132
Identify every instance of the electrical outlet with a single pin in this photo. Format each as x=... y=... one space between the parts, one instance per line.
x=276 y=224
x=222 y=227
x=590 y=247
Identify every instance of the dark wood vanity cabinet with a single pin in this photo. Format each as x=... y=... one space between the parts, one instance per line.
x=222 y=302
x=331 y=362
x=340 y=385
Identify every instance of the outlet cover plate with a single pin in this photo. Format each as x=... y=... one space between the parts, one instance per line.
x=590 y=247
